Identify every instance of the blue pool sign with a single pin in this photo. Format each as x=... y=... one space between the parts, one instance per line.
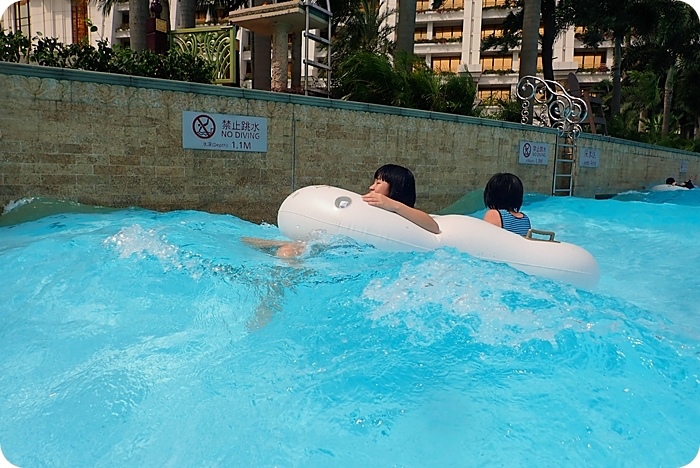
x=221 y=132
x=533 y=152
x=588 y=157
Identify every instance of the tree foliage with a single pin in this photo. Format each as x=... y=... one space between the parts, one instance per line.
x=556 y=18
x=365 y=28
x=663 y=45
x=405 y=81
x=367 y=68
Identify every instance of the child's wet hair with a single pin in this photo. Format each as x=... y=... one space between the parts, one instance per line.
x=504 y=191
x=402 y=184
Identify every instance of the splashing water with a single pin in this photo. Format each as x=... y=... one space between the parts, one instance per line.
x=153 y=339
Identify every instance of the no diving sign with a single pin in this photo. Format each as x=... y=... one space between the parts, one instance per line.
x=221 y=132
x=533 y=152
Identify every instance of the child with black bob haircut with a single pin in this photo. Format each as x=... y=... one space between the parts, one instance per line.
x=394 y=189
x=402 y=184
x=503 y=196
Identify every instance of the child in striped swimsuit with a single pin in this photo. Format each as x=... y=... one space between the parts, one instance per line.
x=503 y=196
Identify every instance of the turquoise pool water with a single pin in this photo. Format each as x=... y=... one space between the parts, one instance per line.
x=136 y=338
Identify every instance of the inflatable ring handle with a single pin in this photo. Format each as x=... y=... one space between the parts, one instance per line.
x=530 y=232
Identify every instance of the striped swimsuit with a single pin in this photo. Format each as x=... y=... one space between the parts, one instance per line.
x=511 y=223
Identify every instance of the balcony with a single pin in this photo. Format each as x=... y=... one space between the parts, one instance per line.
x=495 y=14
x=122 y=32
x=498 y=77
x=451 y=45
x=439 y=16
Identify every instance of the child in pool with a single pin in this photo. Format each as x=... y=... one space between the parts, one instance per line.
x=393 y=189
x=503 y=196
x=687 y=184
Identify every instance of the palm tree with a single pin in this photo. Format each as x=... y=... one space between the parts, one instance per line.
x=530 y=42
x=406 y=26
x=663 y=44
x=556 y=18
x=262 y=59
x=621 y=18
x=642 y=95
x=138 y=14
x=687 y=98
x=680 y=39
x=188 y=9
x=365 y=28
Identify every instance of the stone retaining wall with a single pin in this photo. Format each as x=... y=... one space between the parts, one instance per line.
x=115 y=140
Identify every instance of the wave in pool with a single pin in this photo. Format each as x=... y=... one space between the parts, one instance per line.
x=141 y=338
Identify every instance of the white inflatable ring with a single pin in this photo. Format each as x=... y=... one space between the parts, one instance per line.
x=667 y=188
x=341 y=212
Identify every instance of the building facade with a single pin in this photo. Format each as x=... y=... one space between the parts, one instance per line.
x=66 y=20
x=449 y=38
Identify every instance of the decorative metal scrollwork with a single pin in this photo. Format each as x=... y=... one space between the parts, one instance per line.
x=214 y=44
x=551 y=106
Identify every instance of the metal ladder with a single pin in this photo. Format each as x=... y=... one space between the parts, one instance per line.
x=312 y=8
x=554 y=107
x=564 y=163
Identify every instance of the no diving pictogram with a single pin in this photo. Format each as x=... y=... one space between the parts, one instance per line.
x=203 y=126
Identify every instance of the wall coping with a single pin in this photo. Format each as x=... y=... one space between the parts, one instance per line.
x=41 y=71
x=638 y=144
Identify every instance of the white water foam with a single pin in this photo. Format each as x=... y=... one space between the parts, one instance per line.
x=14 y=204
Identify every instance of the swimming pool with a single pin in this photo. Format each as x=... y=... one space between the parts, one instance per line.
x=136 y=338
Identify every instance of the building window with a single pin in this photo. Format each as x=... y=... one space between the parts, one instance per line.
x=496 y=63
x=494 y=3
x=491 y=95
x=446 y=64
x=124 y=25
x=423 y=5
x=590 y=60
x=420 y=34
x=452 y=5
x=22 y=19
x=487 y=31
x=447 y=32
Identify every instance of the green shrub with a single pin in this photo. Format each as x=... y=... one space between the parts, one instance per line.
x=13 y=46
x=48 y=51
x=508 y=110
x=404 y=82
